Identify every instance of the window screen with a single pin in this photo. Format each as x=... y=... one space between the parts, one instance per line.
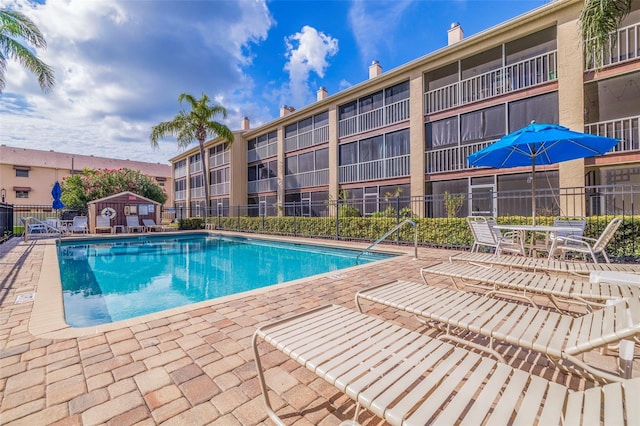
x=542 y=109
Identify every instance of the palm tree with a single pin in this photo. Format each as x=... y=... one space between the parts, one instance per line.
x=14 y=28
x=196 y=124
x=598 y=19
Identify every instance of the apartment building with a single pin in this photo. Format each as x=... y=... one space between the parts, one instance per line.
x=409 y=130
x=27 y=175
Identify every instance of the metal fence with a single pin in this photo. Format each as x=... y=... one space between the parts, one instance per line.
x=440 y=218
x=6 y=221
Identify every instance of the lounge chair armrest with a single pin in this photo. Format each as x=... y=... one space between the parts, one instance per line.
x=577 y=240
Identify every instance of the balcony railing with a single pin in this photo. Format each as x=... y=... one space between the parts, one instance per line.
x=266 y=151
x=197 y=192
x=626 y=48
x=307 y=179
x=264 y=185
x=181 y=195
x=309 y=138
x=627 y=130
x=374 y=170
x=219 y=188
x=179 y=172
x=452 y=158
x=527 y=73
x=219 y=159
x=374 y=119
x=195 y=167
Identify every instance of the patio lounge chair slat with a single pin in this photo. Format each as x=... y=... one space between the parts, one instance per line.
x=418 y=380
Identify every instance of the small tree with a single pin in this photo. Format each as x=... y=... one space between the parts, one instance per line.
x=453 y=203
x=79 y=190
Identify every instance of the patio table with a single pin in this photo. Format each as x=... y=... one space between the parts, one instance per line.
x=533 y=230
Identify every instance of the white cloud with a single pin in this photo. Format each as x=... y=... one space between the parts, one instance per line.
x=374 y=23
x=120 y=66
x=307 y=51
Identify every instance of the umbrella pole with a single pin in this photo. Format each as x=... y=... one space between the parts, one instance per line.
x=533 y=189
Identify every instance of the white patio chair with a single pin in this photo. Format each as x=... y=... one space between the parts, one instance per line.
x=133 y=224
x=585 y=245
x=484 y=234
x=103 y=224
x=80 y=224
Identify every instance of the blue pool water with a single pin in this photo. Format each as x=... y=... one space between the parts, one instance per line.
x=111 y=280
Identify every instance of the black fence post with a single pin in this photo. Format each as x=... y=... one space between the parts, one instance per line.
x=238 y=218
x=295 y=223
x=337 y=219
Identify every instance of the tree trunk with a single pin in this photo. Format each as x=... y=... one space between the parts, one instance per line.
x=205 y=179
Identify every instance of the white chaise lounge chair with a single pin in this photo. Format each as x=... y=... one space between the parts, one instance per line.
x=408 y=378
x=544 y=265
x=560 y=337
x=103 y=224
x=523 y=285
x=150 y=225
x=133 y=224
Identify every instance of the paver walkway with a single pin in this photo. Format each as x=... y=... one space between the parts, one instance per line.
x=195 y=367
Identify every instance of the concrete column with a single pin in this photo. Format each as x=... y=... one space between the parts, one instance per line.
x=416 y=141
x=571 y=107
x=333 y=154
x=238 y=173
x=281 y=170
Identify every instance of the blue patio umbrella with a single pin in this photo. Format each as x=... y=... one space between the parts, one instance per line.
x=540 y=144
x=56 y=193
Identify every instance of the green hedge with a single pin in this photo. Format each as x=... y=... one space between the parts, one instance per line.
x=439 y=232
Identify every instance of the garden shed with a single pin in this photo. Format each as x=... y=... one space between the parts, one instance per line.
x=117 y=207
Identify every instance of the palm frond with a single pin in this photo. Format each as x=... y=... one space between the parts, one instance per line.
x=599 y=21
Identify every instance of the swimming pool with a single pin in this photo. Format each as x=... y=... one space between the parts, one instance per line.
x=110 y=280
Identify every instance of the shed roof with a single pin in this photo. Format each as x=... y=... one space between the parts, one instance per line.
x=138 y=196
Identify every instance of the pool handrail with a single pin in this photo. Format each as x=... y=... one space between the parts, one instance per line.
x=395 y=228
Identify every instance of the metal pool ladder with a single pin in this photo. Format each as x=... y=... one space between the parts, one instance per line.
x=395 y=228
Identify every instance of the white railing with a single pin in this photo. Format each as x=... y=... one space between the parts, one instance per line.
x=197 y=192
x=374 y=119
x=309 y=138
x=627 y=130
x=181 y=195
x=219 y=188
x=374 y=170
x=307 y=179
x=180 y=172
x=626 y=48
x=530 y=72
x=266 y=151
x=219 y=159
x=195 y=167
x=265 y=185
x=452 y=158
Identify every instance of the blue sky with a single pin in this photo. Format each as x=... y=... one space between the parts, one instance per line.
x=120 y=65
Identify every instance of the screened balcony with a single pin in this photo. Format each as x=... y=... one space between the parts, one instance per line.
x=527 y=73
x=195 y=167
x=374 y=119
x=265 y=151
x=627 y=130
x=386 y=168
x=307 y=179
x=452 y=158
x=306 y=139
x=179 y=172
x=627 y=47
x=219 y=188
x=263 y=185
x=219 y=159
x=181 y=195
x=197 y=192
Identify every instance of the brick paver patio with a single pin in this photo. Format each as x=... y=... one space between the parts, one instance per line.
x=194 y=366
